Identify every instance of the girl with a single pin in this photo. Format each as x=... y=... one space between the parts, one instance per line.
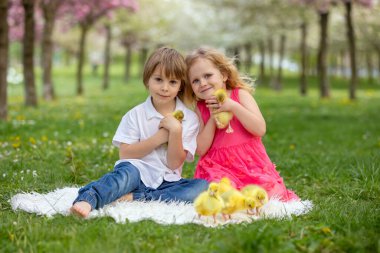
x=147 y=169
x=240 y=154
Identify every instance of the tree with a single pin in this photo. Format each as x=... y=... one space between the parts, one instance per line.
x=107 y=56
x=323 y=9
x=86 y=13
x=351 y=42
x=324 y=85
x=49 y=11
x=28 y=53
x=4 y=44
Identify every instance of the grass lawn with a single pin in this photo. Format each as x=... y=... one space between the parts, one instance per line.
x=327 y=151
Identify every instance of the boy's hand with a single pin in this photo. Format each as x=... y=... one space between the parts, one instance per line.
x=162 y=136
x=170 y=123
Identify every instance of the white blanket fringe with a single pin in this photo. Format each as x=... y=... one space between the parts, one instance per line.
x=60 y=201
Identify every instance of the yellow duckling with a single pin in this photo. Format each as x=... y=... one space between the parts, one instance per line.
x=224 y=185
x=235 y=201
x=222 y=119
x=209 y=203
x=179 y=115
x=258 y=193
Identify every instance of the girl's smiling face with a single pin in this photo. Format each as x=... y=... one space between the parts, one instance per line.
x=205 y=78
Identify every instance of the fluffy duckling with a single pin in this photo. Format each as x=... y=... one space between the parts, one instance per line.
x=235 y=201
x=224 y=185
x=222 y=119
x=209 y=203
x=258 y=193
x=179 y=115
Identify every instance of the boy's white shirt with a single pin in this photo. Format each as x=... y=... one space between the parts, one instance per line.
x=140 y=123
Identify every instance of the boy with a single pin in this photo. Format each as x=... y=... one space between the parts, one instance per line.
x=147 y=169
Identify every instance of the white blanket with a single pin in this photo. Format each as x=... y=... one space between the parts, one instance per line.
x=60 y=201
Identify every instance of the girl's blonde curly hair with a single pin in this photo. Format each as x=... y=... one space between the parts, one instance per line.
x=225 y=65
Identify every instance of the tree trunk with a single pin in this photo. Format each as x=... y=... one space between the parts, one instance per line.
x=237 y=57
x=378 y=66
x=352 y=48
x=303 y=49
x=278 y=82
x=248 y=59
x=369 y=67
x=262 y=62
x=143 y=57
x=49 y=12
x=271 y=53
x=4 y=45
x=84 y=29
x=322 y=56
x=28 y=54
x=128 y=61
x=342 y=63
x=107 y=57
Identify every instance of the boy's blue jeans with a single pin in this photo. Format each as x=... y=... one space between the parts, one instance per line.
x=125 y=178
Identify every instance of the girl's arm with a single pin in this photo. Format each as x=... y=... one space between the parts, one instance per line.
x=205 y=135
x=140 y=149
x=176 y=155
x=247 y=112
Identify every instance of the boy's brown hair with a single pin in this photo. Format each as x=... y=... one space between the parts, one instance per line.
x=171 y=63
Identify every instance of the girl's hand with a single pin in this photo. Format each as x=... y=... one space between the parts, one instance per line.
x=212 y=104
x=170 y=123
x=215 y=107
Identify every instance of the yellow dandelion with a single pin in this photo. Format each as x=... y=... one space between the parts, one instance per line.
x=44 y=138
x=77 y=115
x=16 y=144
x=20 y=117
x=32 y=141
x=370 y=93
x=346 y=101
x=292 y=146
x=326 y=230
x=11 y=237
x=15 y=138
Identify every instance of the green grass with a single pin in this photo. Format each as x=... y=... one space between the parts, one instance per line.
x=328 y=151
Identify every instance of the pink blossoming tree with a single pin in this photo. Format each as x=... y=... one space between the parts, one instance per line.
x=86 y=13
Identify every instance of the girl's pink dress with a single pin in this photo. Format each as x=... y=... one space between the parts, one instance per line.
x=241 y=157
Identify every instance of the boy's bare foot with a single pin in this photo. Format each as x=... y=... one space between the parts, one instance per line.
x=126 y=197
x=81 y=209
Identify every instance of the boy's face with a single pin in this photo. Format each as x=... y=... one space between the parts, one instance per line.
x=205 y=78
x=162 y=88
